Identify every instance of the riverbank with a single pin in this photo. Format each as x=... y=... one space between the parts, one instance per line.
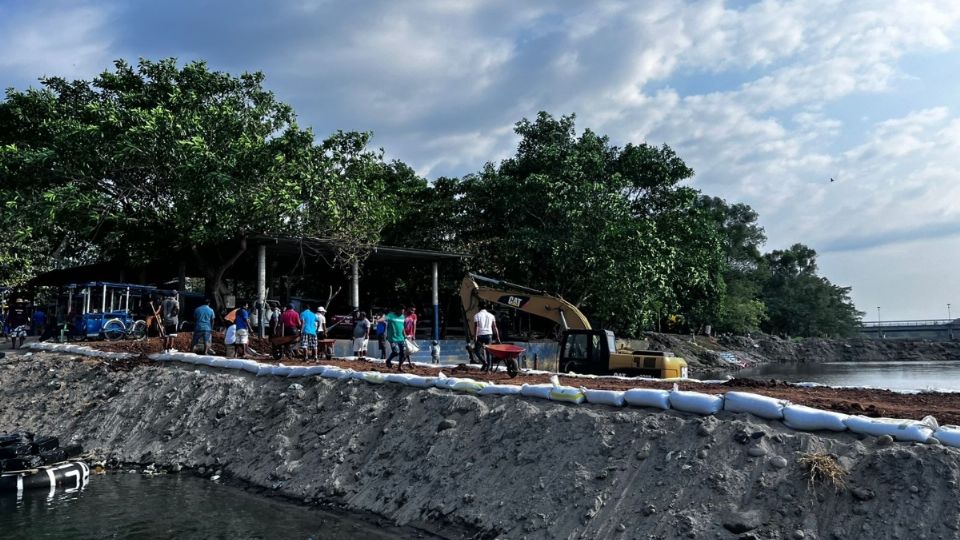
x=506 y=466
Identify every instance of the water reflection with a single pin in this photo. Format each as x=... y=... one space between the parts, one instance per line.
x=912 y=376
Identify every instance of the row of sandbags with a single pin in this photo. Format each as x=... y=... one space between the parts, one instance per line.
x=797 y=417
x=77 y=349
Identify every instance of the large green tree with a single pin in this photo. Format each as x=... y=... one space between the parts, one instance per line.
x=148 y=160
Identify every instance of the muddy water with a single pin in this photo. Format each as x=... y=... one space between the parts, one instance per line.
x=908 y=376
x=120 y=505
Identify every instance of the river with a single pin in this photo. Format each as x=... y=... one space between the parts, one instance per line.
x=124 y=505
x=904 y=376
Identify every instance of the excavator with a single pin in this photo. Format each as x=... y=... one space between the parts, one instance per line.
x=582 y=349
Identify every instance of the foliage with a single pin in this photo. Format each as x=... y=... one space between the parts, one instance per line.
x=142 y=162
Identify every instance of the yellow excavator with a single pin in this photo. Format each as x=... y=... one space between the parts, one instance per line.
x=582 y=349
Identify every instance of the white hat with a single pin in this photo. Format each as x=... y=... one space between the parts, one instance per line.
x=321 y=309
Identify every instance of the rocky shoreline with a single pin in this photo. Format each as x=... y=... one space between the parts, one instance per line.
x=502 y=466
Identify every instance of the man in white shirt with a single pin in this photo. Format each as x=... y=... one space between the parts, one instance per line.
x=486 y=325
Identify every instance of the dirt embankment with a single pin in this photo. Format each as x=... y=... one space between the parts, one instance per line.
x=704 y=352
x=509 y=466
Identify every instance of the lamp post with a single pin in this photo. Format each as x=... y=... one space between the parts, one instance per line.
x=948 y=312
x=878 y=314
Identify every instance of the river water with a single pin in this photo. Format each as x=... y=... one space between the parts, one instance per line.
x=123 y=505
x=904 y=376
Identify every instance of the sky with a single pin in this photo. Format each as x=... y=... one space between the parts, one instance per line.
x=767 y=101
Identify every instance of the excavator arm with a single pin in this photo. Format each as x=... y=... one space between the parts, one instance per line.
x=475 y=289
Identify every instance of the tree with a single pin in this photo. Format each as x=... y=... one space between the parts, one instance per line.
x=608 y=228
x=143 y=162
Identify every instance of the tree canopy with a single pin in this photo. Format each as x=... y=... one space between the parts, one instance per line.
x=153 y=159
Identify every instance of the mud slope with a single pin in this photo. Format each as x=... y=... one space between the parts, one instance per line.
x=512 y=467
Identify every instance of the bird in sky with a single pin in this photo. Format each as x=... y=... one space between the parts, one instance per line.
x=831 y=180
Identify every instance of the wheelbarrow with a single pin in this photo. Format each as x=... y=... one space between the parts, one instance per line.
x=508 y=354
x=280 y=346
x=326 y=347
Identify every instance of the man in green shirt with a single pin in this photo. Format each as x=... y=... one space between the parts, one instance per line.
x=395 y=337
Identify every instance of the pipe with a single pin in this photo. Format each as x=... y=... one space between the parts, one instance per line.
x=128 y=299
x=261 y=287
x=103 y=299
x=355 y=286
x=436 y=303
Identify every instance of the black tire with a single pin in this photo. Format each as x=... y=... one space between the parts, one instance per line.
x=277 y=352
x=114 y=329
x=512 y=369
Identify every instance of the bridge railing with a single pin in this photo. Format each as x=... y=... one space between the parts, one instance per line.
x=916 y=322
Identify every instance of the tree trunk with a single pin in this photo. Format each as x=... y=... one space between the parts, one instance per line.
x=213 y=274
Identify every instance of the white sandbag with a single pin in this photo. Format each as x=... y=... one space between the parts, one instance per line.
x=500 y=390
x=297 y=371
x=948 y=435
x=374 y=377
x=901 y=430
x=444 y=383
x=695 y=402
x=541 y=391
x=417 y=381
x=469 y=386
x=314 y=370
x=206 y=360
x=218 y=362
x=337 y=373
x=235 y=363
x=398 y=378
x=755 y=404
x=264 y=370
x=648 y=397
x=250 y=366
x=569 y=394
x=280 y=371
x=804 y=418
x=604 y=397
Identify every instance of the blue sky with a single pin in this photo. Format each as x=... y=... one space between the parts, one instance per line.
x=765 y=100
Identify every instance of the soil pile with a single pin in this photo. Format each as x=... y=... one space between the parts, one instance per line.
x=509 y=467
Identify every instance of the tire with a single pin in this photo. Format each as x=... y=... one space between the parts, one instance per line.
x=113 y=329
x=139 y=330
x=277 y=352
x=512 y=369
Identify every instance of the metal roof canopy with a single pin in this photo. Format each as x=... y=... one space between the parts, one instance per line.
x=286 y=245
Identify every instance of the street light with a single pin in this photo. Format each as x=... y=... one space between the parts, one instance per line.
x=878 y=314
x=948 y=312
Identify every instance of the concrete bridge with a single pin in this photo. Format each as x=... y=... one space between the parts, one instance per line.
x=930 y=329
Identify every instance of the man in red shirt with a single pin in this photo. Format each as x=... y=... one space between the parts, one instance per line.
x=290 y=320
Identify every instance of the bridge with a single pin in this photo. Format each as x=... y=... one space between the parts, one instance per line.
x=930 y=329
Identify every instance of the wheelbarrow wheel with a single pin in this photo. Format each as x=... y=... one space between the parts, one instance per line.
x=277 y=352
x=512 y=369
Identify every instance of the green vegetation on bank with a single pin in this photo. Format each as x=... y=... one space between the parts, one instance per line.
x=146 y=160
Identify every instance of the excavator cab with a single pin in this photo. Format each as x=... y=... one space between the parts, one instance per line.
x=586 y=351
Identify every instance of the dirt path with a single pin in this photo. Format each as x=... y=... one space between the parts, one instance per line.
x=944 y=406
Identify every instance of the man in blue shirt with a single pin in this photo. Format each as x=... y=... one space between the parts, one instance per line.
x=203 y=326
x=308 y=340
x=243 y=329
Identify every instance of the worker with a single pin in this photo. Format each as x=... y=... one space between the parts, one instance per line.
x=410 y=324
x=361 y=335
x=39 y=321
x=486 y=324
x=243 y=328
x=203 y=327
x=308 y=340
x=381 y=331
x=395 y=337
x=290 y=321
x=170 y=317
x=435 y=352
x=19 y=323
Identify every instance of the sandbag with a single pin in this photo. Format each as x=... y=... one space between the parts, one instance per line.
x=901 y=430
x=469 y=386
x=568 y=394
x=264 y=370
x=207 y=360
x=603 y=397
x=235 y=363
x=804 y=418
x=948 y=435
x=280 y=371
x=337 y=373
x=444 y=383
x=648 y=397
x=297 y=371
x=314 y=370
x=55 y=455
x=417 y=381
x=43 y=443
x=398 y=378
x=755 y=404
x=500 y=390
x=541 y=391
x=695 y=402
x=219 y=362
x=374 y=377
x=251 y=366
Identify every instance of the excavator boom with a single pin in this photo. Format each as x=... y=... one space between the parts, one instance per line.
x=475 y=289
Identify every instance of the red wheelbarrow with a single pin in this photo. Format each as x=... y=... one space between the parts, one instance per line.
x=508 y=354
